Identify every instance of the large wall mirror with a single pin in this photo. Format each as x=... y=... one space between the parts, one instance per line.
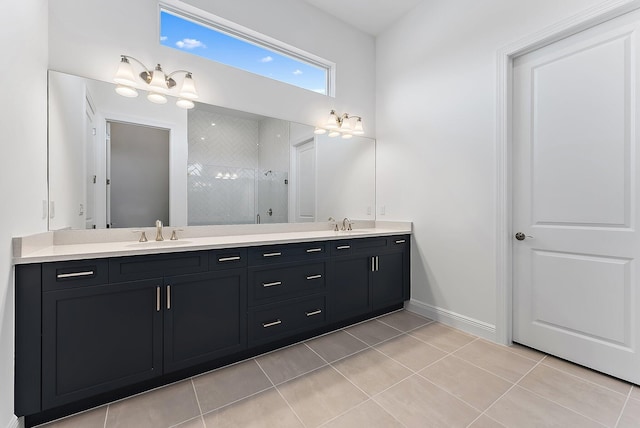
x=125 y=162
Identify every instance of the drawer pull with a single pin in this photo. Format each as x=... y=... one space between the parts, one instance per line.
x=314 y=277
x=228 y=259
x=272 y=254
x=343 y=247
x=314 y=250
x=74 y=274
x=157 y=299
x=271 y=284
x=271 y=324
x=312 y=313
x=400 y=241
x=168 y=297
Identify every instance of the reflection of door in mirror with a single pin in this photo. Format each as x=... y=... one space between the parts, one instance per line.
x=90 y=177
x=305 y=178
x=138 y=175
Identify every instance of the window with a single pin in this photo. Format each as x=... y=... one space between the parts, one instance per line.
x=247 y=52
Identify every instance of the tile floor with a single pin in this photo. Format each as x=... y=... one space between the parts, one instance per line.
x=399 y=370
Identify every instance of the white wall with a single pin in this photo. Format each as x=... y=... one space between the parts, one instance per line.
x=87 y=38
x=346 y=178
x=23 y=158
x=435 y=107
x=67 y=173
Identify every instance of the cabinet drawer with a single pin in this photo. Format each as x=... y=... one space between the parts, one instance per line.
x=369 y=245
x=156 y=266
x=80 y=273
x=227 y=258
x=287 y=253
x=399 y=242
x=278 y=321
x=273 y=283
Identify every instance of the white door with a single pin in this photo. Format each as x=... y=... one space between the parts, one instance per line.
x=305 y=178
x=575 y=187
x=90 y=159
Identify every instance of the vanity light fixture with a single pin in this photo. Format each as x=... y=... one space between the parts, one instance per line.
x=158 y=83
x=344 y=125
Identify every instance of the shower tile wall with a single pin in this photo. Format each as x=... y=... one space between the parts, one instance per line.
x=235 y=165
x=223 y=157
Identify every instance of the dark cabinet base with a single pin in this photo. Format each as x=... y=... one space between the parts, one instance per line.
x=101 y=399
x=93 y=331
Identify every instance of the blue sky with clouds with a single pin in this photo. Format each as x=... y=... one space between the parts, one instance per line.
x=182 y=34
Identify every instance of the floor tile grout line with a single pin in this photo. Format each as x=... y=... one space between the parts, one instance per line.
x=195 y=391
x=509 y=349
x=360 y=405
x=514 y=384
x=237 y=401
x=624 y=406
x=106 y=416
x=562 y=405
x=190 y=419
x=280 y=393
x=453 y=354
x=473 y=339
x=588 y=380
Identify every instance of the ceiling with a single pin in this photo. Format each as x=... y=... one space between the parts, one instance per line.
x=370 y=16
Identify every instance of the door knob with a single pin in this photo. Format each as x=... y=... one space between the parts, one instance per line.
x=520 y=236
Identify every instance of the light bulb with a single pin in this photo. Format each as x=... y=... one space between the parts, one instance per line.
x=158 y=80
x=126 y=91
x=358 y=129
x=188 y=89
x=333 y=134
x=156 y=98
x=186 y=104
x=124 y=74
x=332 y=120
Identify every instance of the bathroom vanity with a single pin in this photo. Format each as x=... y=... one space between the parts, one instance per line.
x=98 y=322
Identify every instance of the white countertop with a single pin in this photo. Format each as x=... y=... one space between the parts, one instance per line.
x=75 y=245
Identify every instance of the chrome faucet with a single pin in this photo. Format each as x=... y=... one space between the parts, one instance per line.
x=335 y=223
x=346 y=224
x=159 y=236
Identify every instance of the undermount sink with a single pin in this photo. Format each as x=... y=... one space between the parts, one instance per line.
x=159 y=244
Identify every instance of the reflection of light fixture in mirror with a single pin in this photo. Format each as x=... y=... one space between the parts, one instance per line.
x=347 y=136
x=343 y=124
x=158 y=83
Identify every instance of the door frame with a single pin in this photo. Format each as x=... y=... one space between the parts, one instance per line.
x=584 y=20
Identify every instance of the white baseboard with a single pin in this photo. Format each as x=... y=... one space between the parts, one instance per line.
x=452 y=319
x=15 y=422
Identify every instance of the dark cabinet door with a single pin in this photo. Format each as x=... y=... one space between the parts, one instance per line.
x=387 y=280
x=349 y=287
x=98 y=338
x=204 y=317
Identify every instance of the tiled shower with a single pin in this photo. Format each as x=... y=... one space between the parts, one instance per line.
x=238 y=168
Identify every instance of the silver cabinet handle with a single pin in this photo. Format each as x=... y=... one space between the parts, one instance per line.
x=271 y=284
x=373 y=264
x=157 y=299
x=314 y=277
x=343 y=247
x=228 y=259
x=168 y=297
x=312 y=313
x=271 y=254
x=271 y=324
x=400 y=241
x=377 y=263
x=74 y=274
x=314 y=250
